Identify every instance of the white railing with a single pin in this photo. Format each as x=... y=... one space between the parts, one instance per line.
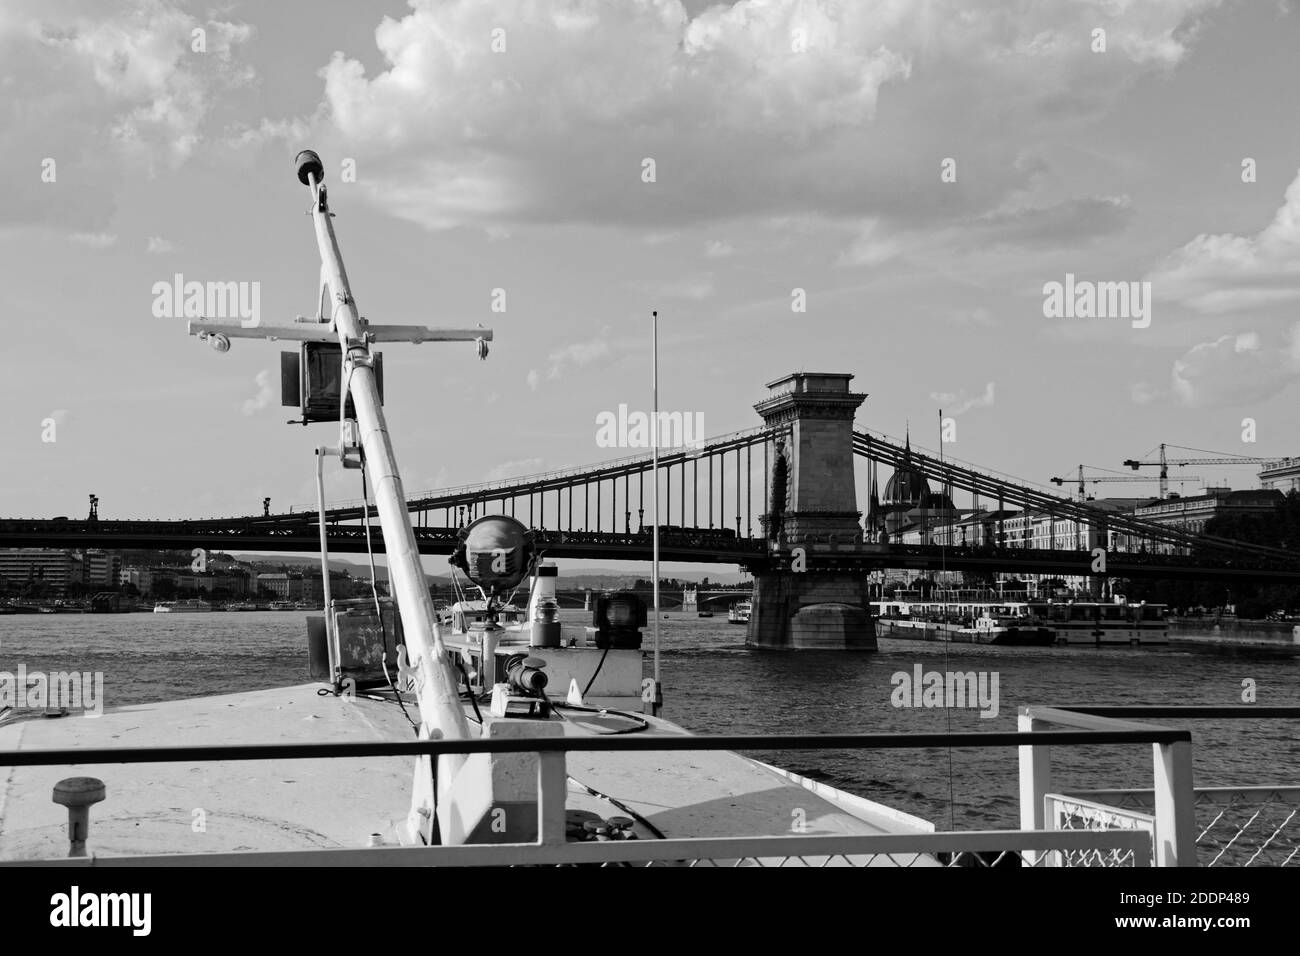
x=1189 y=826
x=1174 y=823
x=1236 y=826
x=953 y=849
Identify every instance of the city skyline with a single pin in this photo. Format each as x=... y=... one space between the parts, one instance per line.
x=803 y=156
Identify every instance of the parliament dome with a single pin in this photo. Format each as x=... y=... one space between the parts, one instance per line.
x=906 y=487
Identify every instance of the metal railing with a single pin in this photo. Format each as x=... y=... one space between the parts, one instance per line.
x=1236 y=826
x=1206 y=826
x=1037 y=846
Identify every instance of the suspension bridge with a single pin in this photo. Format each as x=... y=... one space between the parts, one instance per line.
x=779 y=500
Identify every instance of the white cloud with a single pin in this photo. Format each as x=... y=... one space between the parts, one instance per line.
x=107 y=90
x=96 y=240
x=958 y=403
x=265 y=394
x=577 y=354
x=1144 y=393
x=450 y=132
x=285 y=132
x=513 y=469
x=534 y=378
x=869 y=248
x=1235 y=369
x=155 y=90
x=159 y=246
x=1016 y=223
x=1229 y=273
x=718 y=249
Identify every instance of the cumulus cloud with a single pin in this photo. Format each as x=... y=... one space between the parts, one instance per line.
x=718 y=249
x=1235 y=369
x=1228 y=273
x=106 y=90
x=265 y=394
x=142 y=66
x=957 y=403
x=282 y=132
x=159 y=246
x=761 y=107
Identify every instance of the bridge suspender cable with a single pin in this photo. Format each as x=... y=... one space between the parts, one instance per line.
x=968 y=479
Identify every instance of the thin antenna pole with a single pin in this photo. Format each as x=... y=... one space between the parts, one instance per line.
x=942 y=485
x=657 y=703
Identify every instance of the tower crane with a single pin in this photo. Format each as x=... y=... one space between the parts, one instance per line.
x=1082 y=480
x=1164 y=461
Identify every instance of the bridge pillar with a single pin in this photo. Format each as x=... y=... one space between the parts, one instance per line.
x=814 y=508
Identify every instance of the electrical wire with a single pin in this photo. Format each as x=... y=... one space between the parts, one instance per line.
x=659 y=834
x=641 y=722
x=596 y=672
x=374 y=593
x=469 y=689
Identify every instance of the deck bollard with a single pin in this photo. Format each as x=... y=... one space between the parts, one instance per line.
x=78 y=794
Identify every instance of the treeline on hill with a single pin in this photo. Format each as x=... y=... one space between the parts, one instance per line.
x=1253 y=599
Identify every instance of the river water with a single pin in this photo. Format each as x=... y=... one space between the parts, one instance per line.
x=713 y=684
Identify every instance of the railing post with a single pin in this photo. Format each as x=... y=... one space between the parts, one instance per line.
x=1175 y=805
x=552 y=789
x=1035 y=782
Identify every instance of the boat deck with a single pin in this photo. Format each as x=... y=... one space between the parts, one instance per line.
x=268 y=805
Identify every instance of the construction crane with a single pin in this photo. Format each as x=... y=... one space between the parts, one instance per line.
x=1164 y=462
x=1082 y=480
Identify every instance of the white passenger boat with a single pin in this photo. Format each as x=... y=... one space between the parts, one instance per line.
x=969 y=622
x=739 y=612
x=194 y=606
x=1097 y=623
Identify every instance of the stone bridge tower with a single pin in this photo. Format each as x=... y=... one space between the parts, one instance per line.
x=813 y=507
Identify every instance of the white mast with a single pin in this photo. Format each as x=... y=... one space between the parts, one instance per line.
x=436 y=686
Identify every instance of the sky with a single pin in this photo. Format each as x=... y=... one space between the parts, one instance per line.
x=915 y=174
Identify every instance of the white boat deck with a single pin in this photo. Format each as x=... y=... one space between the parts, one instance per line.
x=268 y=805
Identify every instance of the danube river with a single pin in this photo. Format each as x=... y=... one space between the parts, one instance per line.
x=713 y=684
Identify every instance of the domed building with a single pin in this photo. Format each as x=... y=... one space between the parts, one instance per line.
x=908 y=504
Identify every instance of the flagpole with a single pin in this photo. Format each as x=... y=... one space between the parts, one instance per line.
x=657 y=702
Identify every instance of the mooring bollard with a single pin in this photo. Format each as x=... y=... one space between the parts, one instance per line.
x=79 y=794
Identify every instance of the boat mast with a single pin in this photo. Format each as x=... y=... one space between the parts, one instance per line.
x=435 y=686
x=435 y=683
